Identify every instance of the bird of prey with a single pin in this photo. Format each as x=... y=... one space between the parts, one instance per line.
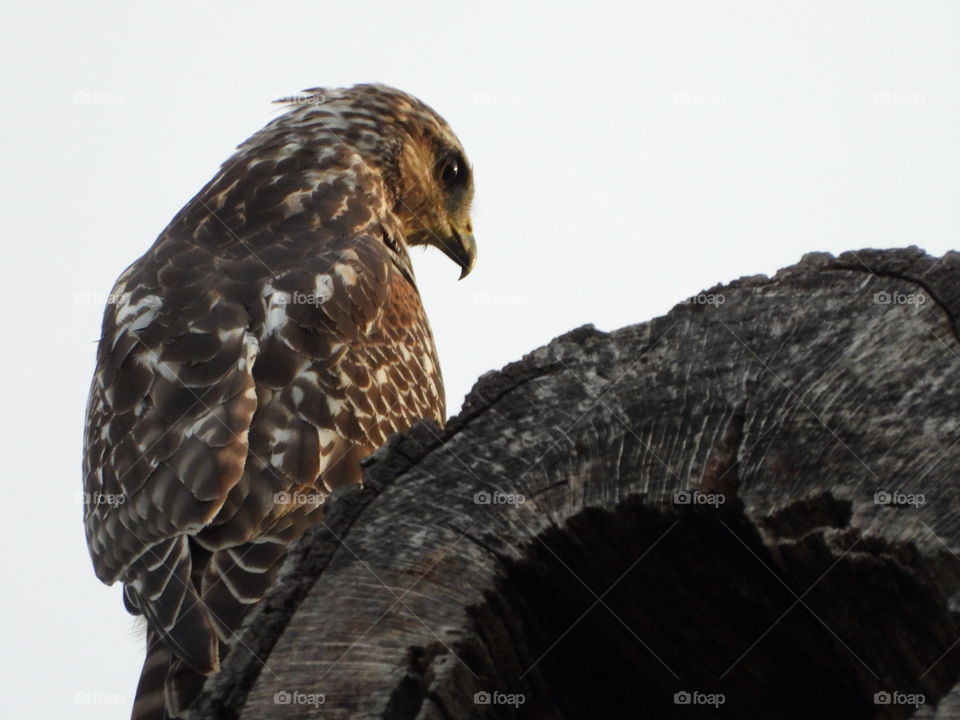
x=270 y=338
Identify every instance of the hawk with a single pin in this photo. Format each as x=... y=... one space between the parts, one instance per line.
x=271 y=337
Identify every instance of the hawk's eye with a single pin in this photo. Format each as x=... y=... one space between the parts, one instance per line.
x=453 y=171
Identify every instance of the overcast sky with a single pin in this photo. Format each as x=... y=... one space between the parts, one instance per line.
x=627 y=156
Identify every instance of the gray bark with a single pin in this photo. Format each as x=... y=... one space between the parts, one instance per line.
x=794 y=401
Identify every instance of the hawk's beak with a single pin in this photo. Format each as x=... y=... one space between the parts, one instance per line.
x=460 y=247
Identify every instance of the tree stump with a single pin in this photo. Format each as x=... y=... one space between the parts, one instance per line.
x=747 y=508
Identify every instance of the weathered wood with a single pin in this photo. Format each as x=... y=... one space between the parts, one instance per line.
x=795 y=400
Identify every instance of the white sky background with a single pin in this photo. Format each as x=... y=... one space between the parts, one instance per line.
x=626 y=157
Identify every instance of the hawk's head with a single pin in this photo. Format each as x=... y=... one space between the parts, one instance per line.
x=421 y=162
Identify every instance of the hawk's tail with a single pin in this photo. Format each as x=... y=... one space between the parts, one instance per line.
x=167 y=686
x=150 y=703
x=233 y=580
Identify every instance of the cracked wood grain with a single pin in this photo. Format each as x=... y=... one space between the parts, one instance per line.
x=694 y=503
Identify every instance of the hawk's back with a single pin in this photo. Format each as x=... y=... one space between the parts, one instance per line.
x=271 y=338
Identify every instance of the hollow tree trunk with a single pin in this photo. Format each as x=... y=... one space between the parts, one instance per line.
x=750 y=503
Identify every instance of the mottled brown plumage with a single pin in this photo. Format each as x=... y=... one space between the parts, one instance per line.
x=271 y=337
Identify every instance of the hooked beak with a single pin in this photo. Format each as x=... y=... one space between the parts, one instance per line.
x=460 y=247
